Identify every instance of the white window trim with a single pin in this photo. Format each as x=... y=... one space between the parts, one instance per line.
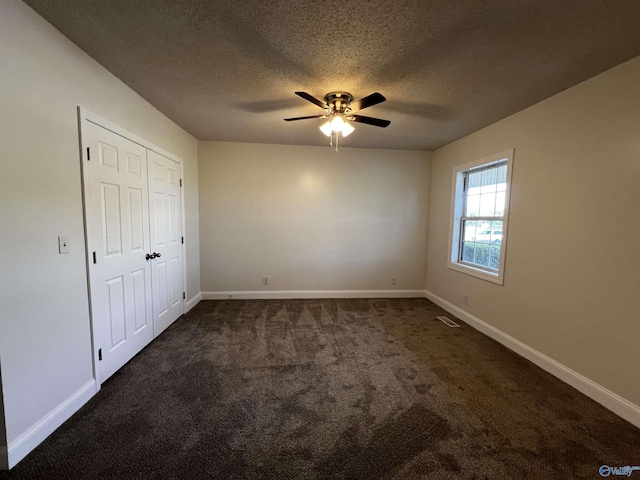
x=457 y=202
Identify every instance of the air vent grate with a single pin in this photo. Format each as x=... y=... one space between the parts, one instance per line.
x=447 y=321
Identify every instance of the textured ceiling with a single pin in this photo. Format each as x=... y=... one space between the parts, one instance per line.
x=228 y=69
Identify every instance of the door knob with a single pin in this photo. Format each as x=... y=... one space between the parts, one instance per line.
x=157 y=254
x=148 y=257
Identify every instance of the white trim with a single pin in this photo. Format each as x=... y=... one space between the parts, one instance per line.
x=286 y=294
x=193 y=301
x=84 y=179
x=608 y=399
x=30 y=439
x=476 y=272
x=184 y=234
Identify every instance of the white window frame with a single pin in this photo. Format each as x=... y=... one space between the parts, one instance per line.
x=457 y=205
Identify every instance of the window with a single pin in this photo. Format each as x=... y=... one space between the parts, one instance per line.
x=480 y=217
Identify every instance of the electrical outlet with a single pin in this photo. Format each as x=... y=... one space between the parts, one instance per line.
x=265 y=280
x=465 y=299
x=394 y=281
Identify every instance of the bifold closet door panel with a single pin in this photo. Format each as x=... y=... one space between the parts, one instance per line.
x=117 y=210
x=165 y=213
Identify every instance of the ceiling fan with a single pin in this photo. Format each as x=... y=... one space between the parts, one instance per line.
x=340 y=109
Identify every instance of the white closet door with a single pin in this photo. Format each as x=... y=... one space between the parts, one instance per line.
x=165 y=212
x=116 y=196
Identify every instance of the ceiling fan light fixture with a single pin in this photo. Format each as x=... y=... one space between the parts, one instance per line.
x=340 y=109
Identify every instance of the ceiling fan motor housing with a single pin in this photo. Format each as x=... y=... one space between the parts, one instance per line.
x=338 y=101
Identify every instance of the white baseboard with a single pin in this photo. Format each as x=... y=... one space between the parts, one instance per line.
x=288 y=294
x=4 y=459
x=193 y=301
x=25 y=443
x=618 y=405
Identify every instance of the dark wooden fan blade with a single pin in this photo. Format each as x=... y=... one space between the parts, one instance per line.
x=368 y=101
x=378 y=122
x=303 y=118
x=312 y=99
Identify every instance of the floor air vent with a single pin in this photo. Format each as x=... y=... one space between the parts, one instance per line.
x=447 y=321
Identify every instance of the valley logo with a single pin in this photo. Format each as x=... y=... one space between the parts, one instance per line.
x=626 y=471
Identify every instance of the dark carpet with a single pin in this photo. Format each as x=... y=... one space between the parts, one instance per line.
x=331 y=389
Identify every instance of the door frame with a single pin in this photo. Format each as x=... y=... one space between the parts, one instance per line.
x=85 y=115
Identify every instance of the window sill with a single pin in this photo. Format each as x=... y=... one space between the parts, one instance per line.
x=477 y=273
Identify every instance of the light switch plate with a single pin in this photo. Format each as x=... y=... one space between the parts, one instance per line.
x=63 y=244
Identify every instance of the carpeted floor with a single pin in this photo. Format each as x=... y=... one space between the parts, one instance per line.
x=331 y=389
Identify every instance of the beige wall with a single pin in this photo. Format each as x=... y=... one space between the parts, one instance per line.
x=310 y=218
x=572 y=278
x=45 y=342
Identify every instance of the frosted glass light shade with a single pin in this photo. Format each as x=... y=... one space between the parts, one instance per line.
x=326 y=128
x=347 y=129
x=336 y=124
